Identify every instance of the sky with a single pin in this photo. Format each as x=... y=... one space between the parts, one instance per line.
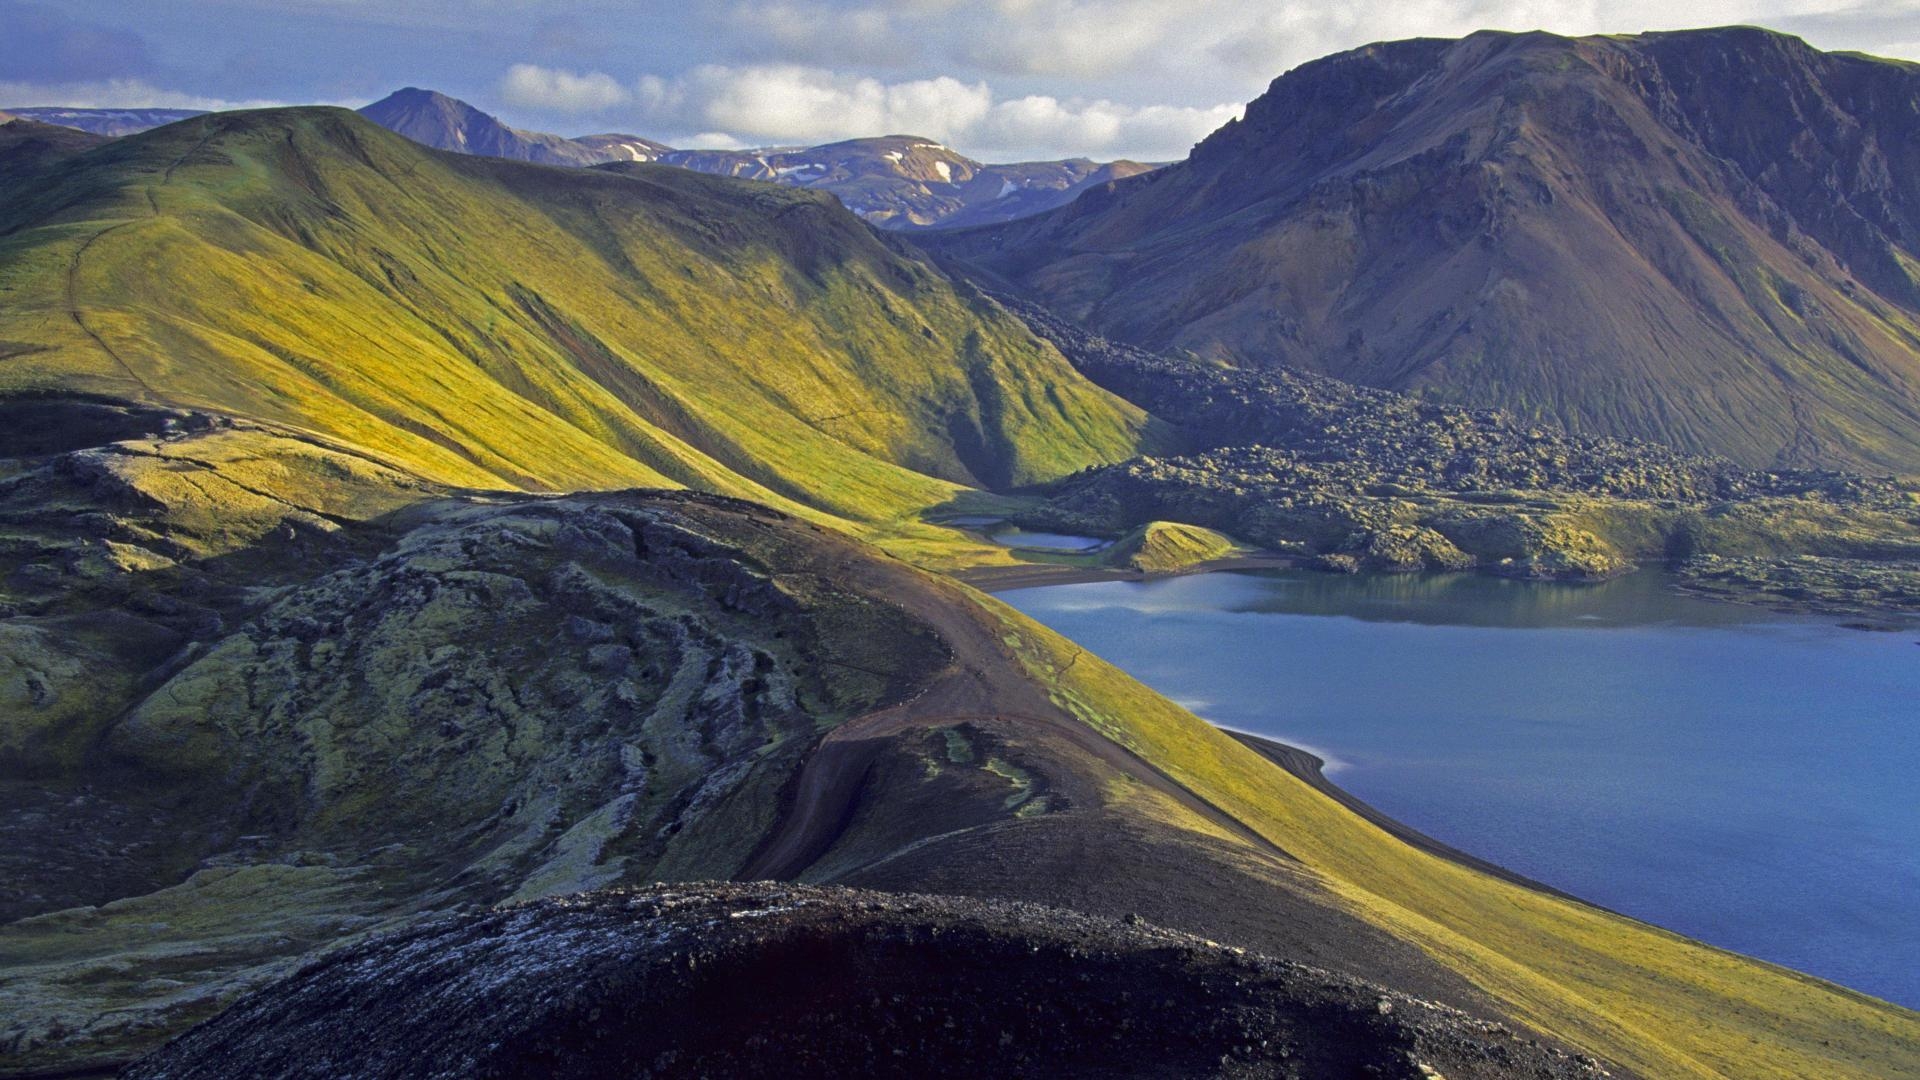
x=1001 y=80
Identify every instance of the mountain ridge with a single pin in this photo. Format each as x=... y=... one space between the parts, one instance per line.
x=914 y=183
x=894 y=181
x=869 y=175
x=613 y=350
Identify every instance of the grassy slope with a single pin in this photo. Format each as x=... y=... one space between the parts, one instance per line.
x=494 y=324
x=1160 y=547
x=1648 y=999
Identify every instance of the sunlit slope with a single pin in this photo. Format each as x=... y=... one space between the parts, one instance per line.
x=1652 y=1001
x=493 y=323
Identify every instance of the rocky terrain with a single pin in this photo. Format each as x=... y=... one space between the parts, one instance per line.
x=763 y=979
x=1359 y=478
x=263 y=695
x=1874 y=594
x=260 y=695
x=1699 y=238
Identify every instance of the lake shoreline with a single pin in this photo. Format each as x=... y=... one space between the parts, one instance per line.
x=1605 y=737
x=1310 y=768
x=997 y=579
x=1851 y=615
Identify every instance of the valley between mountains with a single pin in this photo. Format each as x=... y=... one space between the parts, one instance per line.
x=388 y=534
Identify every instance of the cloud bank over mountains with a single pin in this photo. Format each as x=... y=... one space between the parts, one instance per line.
x=793 y=103
x=1000 y=79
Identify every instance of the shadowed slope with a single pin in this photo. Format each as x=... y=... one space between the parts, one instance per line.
x=1705 y=238
x=28 y=147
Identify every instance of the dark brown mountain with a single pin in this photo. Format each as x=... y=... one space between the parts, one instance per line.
x=1710 y=238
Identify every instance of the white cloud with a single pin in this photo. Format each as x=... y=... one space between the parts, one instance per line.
x=1084 y=37
x=712 y=140
x=786 y=103
x=1204 y=50
x=534 y=87
x=798 y=32
x=790 y=102
x=1031 y=125
x=115 y=94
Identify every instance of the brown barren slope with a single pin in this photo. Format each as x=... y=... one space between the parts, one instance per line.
x=1705 y=238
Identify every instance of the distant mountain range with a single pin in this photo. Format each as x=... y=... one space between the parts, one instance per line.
x=895 y=181
x=111 y=122
x=1707 y=238
x=905 y=181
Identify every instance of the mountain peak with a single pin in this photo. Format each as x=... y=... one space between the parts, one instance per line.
x=1696 y=237
x=447 y=123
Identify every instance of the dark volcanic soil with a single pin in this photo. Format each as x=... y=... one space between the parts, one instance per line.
x=782 y=980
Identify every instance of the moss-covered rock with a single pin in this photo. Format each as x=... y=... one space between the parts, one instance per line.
x=1165 y=547
x=339 y=701
x=1370 y=479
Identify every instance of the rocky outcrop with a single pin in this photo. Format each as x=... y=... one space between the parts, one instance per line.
x=757 y=980
x=258 y=696
x=1358 y=478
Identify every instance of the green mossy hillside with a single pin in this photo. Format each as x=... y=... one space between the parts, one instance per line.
x=1165 y=547
x=494 y=324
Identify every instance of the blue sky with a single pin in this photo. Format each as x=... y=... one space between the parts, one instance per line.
x=1000 y=79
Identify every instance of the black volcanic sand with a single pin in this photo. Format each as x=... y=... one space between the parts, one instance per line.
x=794 y=981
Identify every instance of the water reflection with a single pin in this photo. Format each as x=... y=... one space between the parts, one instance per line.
x=1639 y=599
x=1023 y=538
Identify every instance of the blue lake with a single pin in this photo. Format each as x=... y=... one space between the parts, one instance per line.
x=1745 y=778
x=1024 y=538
